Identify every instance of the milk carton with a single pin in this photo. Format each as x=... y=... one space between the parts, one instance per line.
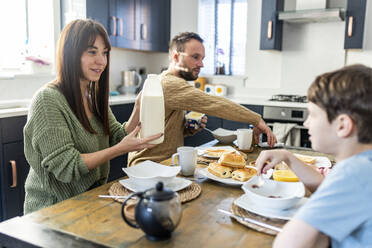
x=152 y=108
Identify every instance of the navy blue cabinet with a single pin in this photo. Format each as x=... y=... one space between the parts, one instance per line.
x=122 y=113
x=354 y=26
x=271 y=26
x=233 y=125
x=13 y=167
x=154 y=24
x=133 y=24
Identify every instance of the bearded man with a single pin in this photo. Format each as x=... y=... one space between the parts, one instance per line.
x=186 y=54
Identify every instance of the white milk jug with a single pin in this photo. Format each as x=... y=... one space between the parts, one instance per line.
x=152 y=108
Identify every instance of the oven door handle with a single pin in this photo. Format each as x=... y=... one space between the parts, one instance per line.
x=297 y=126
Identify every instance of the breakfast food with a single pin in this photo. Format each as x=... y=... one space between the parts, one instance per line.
x=285 y=176
x=216 y=152
x=281 y=166
x=306 y=159
x=219 y=170
x=232 y=159
x=243 y=174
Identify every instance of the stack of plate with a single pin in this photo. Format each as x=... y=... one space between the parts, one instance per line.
x=145 y=175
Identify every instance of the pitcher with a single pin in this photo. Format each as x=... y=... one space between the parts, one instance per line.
x=130 y=82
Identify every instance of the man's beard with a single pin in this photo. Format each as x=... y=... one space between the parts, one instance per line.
x=187 y=75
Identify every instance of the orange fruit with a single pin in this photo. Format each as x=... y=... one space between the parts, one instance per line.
x=285 y=176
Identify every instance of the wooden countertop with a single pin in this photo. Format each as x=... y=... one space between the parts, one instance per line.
x=89 y=221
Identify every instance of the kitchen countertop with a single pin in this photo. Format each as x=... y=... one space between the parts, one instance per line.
x=20 y=107
x=14 y=108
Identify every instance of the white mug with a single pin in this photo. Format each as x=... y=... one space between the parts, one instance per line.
x=186 y=159
x=244 y=138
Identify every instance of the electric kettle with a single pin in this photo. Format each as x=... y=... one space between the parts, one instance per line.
x=158 y=212
x=130 y=82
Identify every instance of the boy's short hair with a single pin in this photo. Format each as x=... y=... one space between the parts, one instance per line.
x=178 y=42
x=346 y=91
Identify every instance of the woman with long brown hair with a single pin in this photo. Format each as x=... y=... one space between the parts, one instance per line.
x=71 y=134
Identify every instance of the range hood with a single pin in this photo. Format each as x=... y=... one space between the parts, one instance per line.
x=313 y=15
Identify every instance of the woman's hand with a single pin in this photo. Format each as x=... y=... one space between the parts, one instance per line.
x=132 y=143
x=263 y=128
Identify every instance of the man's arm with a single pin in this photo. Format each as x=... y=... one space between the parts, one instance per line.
x=297 y=233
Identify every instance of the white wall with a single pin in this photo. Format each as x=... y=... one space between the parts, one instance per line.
x=308 y=50
x=184 y=16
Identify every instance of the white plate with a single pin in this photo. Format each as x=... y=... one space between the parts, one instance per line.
x=175 y=184
x=320 y=161
x=286 y=214
x=201 y=150
x=229 y=181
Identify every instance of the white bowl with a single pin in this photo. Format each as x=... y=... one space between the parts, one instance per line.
x=148 y=173
x=274 y=194
x=224 y=136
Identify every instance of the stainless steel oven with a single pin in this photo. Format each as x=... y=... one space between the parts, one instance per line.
x=287 y=114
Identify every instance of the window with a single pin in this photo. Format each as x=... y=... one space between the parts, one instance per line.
x=28 y=35
x=223 y=26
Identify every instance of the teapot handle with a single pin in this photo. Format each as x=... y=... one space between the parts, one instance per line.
x=122 y=210
x=139 y=78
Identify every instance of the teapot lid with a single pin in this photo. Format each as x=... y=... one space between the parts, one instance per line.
x=159 y=193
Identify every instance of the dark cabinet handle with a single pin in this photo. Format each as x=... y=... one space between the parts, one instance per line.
x=270 y=30
x=350 y=27
x=14 y=173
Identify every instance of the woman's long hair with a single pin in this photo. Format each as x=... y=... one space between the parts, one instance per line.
x=75 y=38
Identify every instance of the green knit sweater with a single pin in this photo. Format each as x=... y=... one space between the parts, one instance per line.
x=54 y=139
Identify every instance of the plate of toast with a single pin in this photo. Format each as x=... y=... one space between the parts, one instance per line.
x=215 y=152
x=317 y=161
x=230 y=169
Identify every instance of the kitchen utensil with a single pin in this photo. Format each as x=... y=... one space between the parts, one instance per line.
x=131 y=81
x=113 y=196
x=224 y=136
x=260 y=181
x=244 y=137
x=158 y=212
x=220 y=90
x=200 y=83
x=187 y=157
x=274 y=228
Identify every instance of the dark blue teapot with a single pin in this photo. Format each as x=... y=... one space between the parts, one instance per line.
x=158 y=212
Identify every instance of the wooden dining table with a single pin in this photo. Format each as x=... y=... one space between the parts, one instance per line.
x=88 y=221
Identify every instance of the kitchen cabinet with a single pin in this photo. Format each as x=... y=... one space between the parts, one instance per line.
x=273 y=16
x=154 y=24
x=271 y=26
x=13 y=167
x=133 y=24
x=122 y=113
x=354 y=26
x=233 y=125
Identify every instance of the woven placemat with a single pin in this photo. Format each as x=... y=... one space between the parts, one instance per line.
x=187 y=194
x=244 y=213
